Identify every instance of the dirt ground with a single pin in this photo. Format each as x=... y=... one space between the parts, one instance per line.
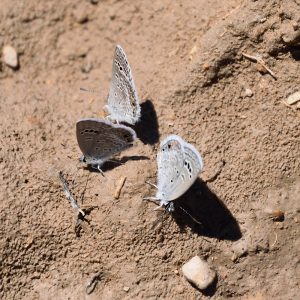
x=193 y=80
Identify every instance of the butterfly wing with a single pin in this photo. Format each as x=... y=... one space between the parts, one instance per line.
x=99 y=140
x=123 y=103
x=179 y=164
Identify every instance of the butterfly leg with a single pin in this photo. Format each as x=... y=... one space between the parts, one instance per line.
x=151 y=199
x=99 y=169
x=152 y=184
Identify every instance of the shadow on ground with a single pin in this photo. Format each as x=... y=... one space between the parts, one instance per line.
x=147 y=128
x=205 y=207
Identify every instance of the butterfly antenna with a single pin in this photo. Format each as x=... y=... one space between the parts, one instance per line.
x=115 y=161
x=89 y=90
x=187 y=213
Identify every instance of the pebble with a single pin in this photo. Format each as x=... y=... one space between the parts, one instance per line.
x=126 y=289
x=239 y=248
x=10 y=56
x=293 y=98
x=198 y=272
x=248 y=93
x=277 y=215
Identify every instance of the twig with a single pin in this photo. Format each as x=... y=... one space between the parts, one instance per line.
x=84 y=190
x=68 y=194
x=260 y=61
x=274 y=241
x=119 y=187
x=93 y=282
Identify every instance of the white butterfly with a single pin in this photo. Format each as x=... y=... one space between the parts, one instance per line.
x=123 y=102
x=179 y=164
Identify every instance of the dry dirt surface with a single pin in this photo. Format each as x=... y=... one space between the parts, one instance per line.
x=193 y=80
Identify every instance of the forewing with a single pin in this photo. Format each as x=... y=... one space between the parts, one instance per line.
x=99 y=140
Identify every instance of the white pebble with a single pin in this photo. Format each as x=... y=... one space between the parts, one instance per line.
x=293 y=98
x=248 y=93
x=198 y=272
x=126 y=289
x=10 y=56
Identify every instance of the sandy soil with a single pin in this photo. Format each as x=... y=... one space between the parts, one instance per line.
x=193 y=81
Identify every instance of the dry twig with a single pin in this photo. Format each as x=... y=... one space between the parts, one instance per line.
x=119 y=187
x=260 y=61
x=68 y=194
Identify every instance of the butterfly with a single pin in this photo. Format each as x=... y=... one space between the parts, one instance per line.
x=179 y=164
x=123 y=102
x=99 y=140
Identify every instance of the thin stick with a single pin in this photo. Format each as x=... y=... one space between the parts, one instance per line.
x=119 y=187
x=274 y=241
x=261 y=62
x=68 y=194
x=83 y=192
x=93 y=282
x=89 y=90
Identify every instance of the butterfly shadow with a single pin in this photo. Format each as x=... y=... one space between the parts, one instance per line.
x=147 y=128
x=112 y=164
x=205 y=207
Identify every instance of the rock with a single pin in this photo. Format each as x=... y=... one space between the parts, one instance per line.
x=293 y=98
x=10 y=56
x=248 y=93
x=126 y=289
x=239 y=249
x=277 y=215
x=198 y=272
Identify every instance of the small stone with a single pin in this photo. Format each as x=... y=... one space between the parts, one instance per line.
x=248 y=93
x=10 y=56
x=277 y=215
x=293 y=98
x=87 y=67
x=80 y=15
x=126 y=289
x=239 y=248
x=198 y=272
x=234 y=257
